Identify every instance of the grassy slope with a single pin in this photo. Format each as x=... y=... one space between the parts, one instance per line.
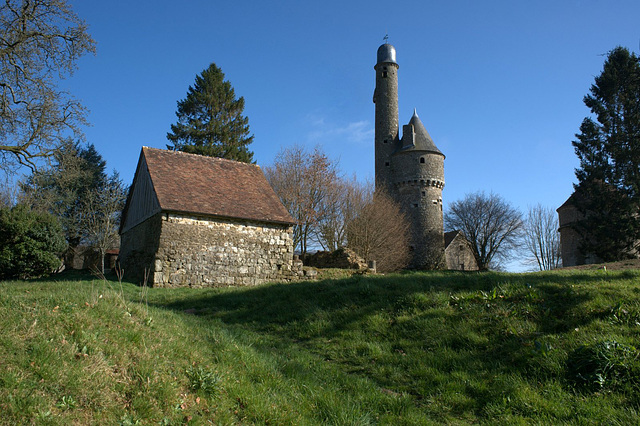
x=412 y=348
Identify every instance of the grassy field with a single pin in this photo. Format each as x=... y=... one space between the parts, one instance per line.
x=412 y=348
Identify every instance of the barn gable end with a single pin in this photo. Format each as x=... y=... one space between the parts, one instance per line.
x=458 y=253
x=143 y=201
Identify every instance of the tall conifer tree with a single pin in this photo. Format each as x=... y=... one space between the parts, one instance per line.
x=210 y=120
x=608 y=189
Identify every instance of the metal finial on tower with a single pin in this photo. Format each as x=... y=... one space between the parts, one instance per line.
x=386 y=38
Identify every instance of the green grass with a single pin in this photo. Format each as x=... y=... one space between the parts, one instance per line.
x=412 y=348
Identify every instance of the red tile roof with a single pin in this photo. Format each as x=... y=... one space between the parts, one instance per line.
x=197 y=184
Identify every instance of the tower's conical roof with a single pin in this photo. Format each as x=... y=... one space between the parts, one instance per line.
x=422 y=140
x=387 y=53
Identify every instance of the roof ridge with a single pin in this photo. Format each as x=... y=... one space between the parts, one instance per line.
x=207 y=157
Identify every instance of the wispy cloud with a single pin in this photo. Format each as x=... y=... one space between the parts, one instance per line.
x=355 y=132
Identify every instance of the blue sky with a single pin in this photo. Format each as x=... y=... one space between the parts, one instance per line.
x=498 y=84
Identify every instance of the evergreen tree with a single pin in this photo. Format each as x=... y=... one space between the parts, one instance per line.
x=608 y=189
x=63 y=189
x=210 y=120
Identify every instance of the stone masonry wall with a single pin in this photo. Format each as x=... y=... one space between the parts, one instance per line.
x=201 y=252
x=418 y=189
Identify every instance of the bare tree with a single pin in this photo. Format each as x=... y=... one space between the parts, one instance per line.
x=304 y=182
x=490 y=224
x=540 y=237
x=344 y=202
x=101 y=217
x=40 y=42
x=8 y=193
x=380 y=232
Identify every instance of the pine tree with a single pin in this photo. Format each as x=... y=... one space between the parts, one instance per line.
x=608 y=189
x=210 y=120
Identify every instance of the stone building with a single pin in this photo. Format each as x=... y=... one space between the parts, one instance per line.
x=411 y=168
x=570 y=239
x=457 y=252
x=192 y=220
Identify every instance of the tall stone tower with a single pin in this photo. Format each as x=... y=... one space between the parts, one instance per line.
x=385 y=97
x=411 y=168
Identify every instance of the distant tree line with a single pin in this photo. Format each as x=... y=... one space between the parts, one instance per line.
x=72 y=200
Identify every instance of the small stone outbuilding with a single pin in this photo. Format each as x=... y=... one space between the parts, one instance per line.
x=457 y=252
x=570 y=239
x=198 y=221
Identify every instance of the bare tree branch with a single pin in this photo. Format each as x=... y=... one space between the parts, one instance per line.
x=541 y=239
x=305 y=183
x=40 y=43
x=380 y=232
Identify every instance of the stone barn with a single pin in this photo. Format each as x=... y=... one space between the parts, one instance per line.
x=457 y=252
x=196 y=221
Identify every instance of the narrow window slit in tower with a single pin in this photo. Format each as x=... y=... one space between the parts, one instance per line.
x=384 y=74
x=415 y=205
x=384 y=141
x=421 y=160
x=386 y=163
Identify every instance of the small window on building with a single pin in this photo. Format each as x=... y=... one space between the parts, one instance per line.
x=415 y=205
x=386 y=163
x=424 y=194
x=384 y=74
x=421 y=160
x=384 y=141
x=411 y=248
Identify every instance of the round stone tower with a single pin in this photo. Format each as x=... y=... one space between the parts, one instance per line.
x=411 y=168
x=418 y=177
x=385 y=97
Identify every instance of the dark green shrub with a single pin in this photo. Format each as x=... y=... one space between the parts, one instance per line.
x=607 y=365
x=30 y=243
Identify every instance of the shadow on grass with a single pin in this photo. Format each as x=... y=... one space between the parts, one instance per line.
x=343 y=301
x=480 y=335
